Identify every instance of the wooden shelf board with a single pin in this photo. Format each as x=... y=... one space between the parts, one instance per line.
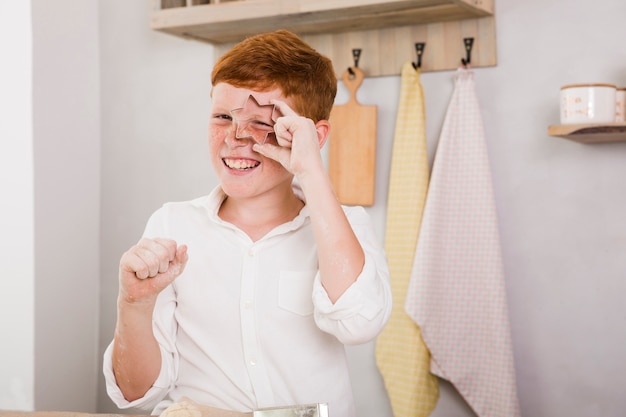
x=590 y=133
x=232 y=21
x=385 y=30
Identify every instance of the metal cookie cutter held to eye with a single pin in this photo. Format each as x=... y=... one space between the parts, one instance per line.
x=254 y=120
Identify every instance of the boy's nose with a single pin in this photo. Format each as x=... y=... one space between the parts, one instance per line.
x=231 y=137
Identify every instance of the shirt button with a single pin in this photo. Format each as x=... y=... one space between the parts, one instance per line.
x=247 y=304
x=251 y=252
x=252 y=362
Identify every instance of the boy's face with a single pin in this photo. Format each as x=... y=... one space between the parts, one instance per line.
x=237 y=121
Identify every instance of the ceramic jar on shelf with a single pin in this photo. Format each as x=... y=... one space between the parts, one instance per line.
x=588 y=103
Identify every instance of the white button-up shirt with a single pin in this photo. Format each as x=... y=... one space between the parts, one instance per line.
x=248 y=324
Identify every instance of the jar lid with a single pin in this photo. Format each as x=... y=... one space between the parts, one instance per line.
x=588 y=85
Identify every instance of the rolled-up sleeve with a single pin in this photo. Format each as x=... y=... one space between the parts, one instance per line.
x=152 y=397
x=364 y=308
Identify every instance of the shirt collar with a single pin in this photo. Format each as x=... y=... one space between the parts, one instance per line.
x=217 y=196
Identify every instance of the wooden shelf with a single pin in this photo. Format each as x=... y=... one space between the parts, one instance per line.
x=233 y=20
x=590 y=133
x=385 y=30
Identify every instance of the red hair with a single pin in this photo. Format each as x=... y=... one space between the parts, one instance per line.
x=281 y=60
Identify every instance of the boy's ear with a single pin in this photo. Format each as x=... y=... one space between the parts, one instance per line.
x=323 y=129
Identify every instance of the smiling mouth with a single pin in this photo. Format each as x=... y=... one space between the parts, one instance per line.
x=240 y=164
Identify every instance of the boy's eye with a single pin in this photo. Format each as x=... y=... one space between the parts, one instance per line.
x=260 y=124
x=223 y=116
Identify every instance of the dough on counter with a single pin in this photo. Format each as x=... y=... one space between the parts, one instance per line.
x=188 y=408
x=183 y=408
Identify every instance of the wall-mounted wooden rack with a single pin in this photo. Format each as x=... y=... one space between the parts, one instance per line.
x=386 y=31
x=590 y=133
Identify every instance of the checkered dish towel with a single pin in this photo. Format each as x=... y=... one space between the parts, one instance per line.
x=456 y=293
x=401 y=355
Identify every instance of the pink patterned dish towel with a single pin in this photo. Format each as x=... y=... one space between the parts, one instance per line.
x=457 y=293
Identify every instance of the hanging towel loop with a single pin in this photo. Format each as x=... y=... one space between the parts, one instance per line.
x=419 y=51
x=468 y=43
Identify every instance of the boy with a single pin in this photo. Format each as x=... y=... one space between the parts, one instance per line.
x=244 y=298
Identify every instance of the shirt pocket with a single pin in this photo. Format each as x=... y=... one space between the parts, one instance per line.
x=295 y=291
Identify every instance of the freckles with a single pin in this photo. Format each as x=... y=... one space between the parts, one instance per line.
x=217 y=134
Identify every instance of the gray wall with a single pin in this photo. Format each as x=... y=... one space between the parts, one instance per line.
x=561 y=205
x=66 y=129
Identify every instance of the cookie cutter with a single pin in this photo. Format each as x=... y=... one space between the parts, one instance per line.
x=254 y=121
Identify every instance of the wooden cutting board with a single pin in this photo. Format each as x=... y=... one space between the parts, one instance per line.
x=352 y=146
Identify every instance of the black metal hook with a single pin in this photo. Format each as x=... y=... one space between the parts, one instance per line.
x=356 y=55
x=419 y=50
x=469 y=43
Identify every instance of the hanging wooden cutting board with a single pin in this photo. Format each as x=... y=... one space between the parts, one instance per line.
x=352 y=146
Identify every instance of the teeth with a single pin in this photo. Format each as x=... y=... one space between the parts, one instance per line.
x=240 y=163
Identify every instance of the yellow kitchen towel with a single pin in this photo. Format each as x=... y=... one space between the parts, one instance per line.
x=401 y=355
x=457 y=292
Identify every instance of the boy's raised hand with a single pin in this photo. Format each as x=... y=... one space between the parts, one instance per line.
x=299 y=141
x=148 y=267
